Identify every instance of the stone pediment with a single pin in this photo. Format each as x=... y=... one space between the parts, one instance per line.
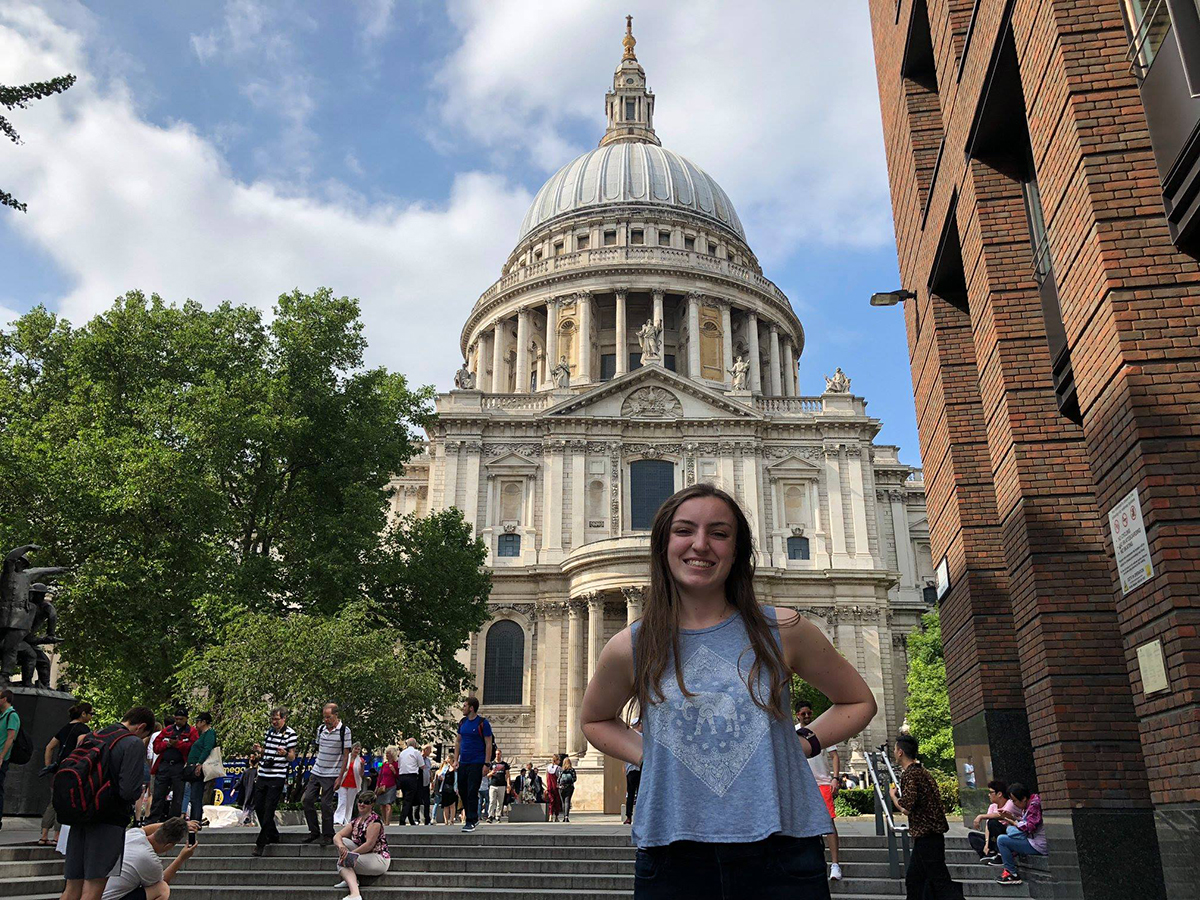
x=793 y=466
x=653 y=393
x=511 y=464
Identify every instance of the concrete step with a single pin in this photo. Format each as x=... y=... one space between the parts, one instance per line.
x=477 y=879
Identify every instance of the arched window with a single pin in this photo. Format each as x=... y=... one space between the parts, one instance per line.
x=508 y=545
x=793 y=506
x=595 y=501
x=797 y=548
x=651 y=481
x=510 y=502
x=504 y=663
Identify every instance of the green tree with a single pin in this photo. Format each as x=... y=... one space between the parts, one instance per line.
x=385 y=685
x=928 y=703
x=429 y=581
x=193 y=465
x=19 y=96
x=802 y=690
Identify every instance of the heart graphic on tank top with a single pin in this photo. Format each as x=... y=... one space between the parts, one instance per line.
x=714 y=732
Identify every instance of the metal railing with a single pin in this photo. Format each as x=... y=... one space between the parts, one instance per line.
x=879 y=768
x=1148 y=33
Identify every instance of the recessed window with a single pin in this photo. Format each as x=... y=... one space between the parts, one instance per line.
x=797 y=547
x=929 y=595
x=608 y=366
x=610 y=239
x=689 y=243
x=637 y=236
x=669 y=361
x=651 y=481
x=581 y=242
x=504 y=663
x=664 y=239
x=558 y=249
x=509 y=545
x=537 y=254
x=630 y=110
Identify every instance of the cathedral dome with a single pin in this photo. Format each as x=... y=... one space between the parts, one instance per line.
x=631 y=172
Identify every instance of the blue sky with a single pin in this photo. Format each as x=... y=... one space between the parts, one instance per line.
x=388 y=150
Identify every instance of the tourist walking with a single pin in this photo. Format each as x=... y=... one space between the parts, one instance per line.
x=498 y=787
x=472 y=748
x=385 y=786
x=727 y=807
x=484 y=790
x=58 y=748
x=245 y=786
x=566 y=786
x=553 y=798
x=333 y=742
x=826 y=769
x=409 y=781
x=350 y=785
x=172 y=747
x=362 y=846
x=426 y=779
x=279 y=750
x=447 y=785
x=96 y=839
x=202 y=781
x=919 y=797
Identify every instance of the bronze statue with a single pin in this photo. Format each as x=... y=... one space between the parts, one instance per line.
x=22 y=611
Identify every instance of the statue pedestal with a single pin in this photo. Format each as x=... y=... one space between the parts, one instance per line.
x=744 y=395
x=42 y=712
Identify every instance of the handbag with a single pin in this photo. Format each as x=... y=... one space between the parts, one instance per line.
x=213 y=767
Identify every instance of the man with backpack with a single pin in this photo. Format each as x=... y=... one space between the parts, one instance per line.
x=94 y=791
x=10 y=729
x=472 y=748
x=333 y=752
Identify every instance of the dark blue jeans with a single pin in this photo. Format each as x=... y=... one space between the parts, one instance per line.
x=778 y=868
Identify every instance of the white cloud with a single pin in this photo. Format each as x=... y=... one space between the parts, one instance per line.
x=777 y=101
x=374 y=17
x=119 y=203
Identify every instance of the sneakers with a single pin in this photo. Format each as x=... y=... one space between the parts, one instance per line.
x=326 y=842
x=468 y=828
x=311 y=839
x=566 y=818
x=341 y=884
x=996 y=862
x=988 y=860
x=1007 y=877
x=835 y=872
x=257 y=851
x=491 y=819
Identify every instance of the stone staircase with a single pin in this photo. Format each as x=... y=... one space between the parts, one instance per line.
x=514 y=861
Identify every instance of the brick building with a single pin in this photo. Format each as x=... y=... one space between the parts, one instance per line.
x=1044 y=160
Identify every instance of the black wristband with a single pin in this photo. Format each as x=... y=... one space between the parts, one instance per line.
x=812 y=740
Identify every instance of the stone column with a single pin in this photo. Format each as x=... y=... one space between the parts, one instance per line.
x=904 y=548
x=726 y=344
x=693 y=333
x=551 y=338
x=633 y=604
x=622 y=341
x=756 y=385
x=575 y=685
x=521 y=376
x=476 y=363
x=789 y=369
x=658 y=309
x=450 y=476
x=595 y=603
x=858 y=503
x=584 y=299
x=499 y=382
x=837 y=521
x=776 y=382
x=471 y=501
x=552 y=502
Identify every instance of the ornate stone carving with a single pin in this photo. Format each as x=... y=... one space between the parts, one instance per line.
x=689 y=474
x=633 y=594
x=838 y=384
x=651 y=403
x=510 y=527
x=464 y=378
x=614 y=456
x=650 y=338
x=560 y=373
x=738 y=372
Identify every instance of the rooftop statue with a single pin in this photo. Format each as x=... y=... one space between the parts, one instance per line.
x=838 y=384
x=464 y=378
x=739 y=370
x=650 y=337
x=561 y=373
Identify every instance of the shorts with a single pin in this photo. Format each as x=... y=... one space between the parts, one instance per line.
x=449 y=799
x=138 y=893
x=388 y=797
x=827 y=794
x=94 y=851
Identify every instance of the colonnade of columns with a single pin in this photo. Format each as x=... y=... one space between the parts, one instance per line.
x=511 y=369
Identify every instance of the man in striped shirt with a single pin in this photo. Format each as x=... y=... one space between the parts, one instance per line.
x=279 y=749
x=333 y=752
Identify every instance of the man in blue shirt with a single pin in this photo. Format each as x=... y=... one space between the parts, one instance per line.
x=10 y=724
x=472 y=748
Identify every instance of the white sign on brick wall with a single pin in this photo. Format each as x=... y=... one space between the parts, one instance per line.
x=1129 y=542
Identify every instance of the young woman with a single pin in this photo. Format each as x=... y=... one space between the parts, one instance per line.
x=566 y=786
x=352 y=783
x=59 y=748
x=727 y=806
x=553 y=797
x=386 y=785
x=362 y=846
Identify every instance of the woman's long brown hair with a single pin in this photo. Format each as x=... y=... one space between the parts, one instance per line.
x=658 y=633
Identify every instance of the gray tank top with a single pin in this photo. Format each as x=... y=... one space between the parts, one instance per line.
x=716 y=767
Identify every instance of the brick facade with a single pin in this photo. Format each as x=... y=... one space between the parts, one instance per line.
x=1036 y=626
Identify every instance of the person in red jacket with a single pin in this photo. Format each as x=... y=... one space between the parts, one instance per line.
x=172 y=746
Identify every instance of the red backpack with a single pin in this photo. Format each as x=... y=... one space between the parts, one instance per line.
x=83 y=790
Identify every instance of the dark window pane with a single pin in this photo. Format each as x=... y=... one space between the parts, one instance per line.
x=630 y=110
x=669 y=361
x=651 y=481
x=930 y=595
x=608 y=366
x=504 y=663
x=797 y=548
x=509 y=545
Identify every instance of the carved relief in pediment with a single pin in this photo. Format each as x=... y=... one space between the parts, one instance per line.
x=651 y=403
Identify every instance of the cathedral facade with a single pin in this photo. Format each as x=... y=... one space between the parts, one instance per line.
x=632 y=347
